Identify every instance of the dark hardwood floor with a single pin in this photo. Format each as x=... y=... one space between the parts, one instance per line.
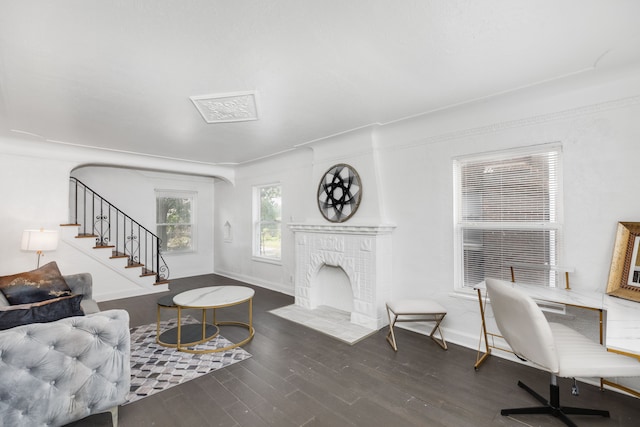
x=299 y=377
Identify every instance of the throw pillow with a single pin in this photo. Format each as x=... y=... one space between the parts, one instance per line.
x=40 y=312
x=37 y=285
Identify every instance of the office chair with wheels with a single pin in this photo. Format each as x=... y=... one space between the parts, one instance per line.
x=551 y=347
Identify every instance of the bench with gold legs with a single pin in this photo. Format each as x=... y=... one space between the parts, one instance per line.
x=416 y=310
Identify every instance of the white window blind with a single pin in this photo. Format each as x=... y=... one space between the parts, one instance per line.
x=508 y=212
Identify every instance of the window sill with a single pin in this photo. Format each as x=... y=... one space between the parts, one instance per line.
x=178 y=253
x=267 y=260
x=464 y=293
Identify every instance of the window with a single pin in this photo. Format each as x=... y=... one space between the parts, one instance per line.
x=267 y=221
x=175 y=220
x=507 y=212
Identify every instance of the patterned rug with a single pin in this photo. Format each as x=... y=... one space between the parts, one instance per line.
x=155 y=368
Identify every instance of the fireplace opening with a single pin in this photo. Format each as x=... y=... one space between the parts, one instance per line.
x=331 y=287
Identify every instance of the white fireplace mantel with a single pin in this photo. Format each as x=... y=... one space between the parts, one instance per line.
x=362 y=251
x=339 y=228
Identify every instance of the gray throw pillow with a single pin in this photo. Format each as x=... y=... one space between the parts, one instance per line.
x=40 y=312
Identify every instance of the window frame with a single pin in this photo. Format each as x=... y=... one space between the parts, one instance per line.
x=554 y=225
x=179 y=194
x=257 y=225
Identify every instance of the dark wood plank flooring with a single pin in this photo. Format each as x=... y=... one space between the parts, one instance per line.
x=299 y=377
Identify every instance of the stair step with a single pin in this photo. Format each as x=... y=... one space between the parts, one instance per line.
x=146 y=272
x=134 y=265
x=116 y=254
x=144 y=277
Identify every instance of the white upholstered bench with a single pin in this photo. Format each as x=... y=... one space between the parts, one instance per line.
x=416 y=310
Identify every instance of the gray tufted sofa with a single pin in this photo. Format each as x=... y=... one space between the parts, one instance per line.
x=54 y=373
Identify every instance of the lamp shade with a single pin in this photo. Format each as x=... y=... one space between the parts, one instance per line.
x=39 y=240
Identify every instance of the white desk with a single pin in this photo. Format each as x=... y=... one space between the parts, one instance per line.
x=623 y=324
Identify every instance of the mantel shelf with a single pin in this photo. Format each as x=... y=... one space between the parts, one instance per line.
x=371 y=229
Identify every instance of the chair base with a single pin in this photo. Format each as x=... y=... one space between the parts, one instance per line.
x=552 y=407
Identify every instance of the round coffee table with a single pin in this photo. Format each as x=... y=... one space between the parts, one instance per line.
x=213 y=298
x=191 y=334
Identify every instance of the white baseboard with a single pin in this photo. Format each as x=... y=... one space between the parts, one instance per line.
x=277 y=287
x=130 y=293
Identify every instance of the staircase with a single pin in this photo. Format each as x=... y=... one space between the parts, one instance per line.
x=112 y=237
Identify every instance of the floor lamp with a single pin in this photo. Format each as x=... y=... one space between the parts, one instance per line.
x=39 y=241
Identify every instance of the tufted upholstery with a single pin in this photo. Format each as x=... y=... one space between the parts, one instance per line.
x=55 y=373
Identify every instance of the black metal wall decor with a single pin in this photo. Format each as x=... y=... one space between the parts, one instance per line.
x=339 y=193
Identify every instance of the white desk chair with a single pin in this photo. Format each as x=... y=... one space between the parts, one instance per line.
x=416 y=310
x=552 y=347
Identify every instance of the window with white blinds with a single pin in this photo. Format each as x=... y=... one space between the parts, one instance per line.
x=508 y=211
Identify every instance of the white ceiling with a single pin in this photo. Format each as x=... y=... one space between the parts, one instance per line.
x=118 y=74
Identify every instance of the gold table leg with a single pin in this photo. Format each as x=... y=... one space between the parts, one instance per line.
x=480 y=360
x=248 y=326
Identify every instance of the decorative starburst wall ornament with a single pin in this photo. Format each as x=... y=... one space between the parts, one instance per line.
x=339 y=193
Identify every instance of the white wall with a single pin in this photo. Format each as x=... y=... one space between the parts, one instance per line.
x=594 y=117
x=233 y=204
x=133 y=191
x=34 y=189
x=600 y=146
x=34 y=194
x=595 y=120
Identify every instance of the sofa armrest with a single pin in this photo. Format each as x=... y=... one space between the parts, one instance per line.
x=58 y=372
x=82 y=284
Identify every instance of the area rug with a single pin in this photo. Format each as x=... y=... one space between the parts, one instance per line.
x=155 y=368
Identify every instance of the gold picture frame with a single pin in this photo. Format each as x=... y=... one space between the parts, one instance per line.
x=624 y=275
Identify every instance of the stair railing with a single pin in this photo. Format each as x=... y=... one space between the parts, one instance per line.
x=97 y=217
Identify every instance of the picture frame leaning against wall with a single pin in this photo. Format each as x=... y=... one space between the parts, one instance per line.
x=624 y=274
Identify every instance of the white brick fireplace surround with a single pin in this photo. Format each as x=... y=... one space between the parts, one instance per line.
x=362 y=252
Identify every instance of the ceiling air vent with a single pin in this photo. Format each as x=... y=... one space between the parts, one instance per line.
x=227 y=107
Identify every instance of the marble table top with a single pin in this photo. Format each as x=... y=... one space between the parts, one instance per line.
x=213 y=296
x=558 y=295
